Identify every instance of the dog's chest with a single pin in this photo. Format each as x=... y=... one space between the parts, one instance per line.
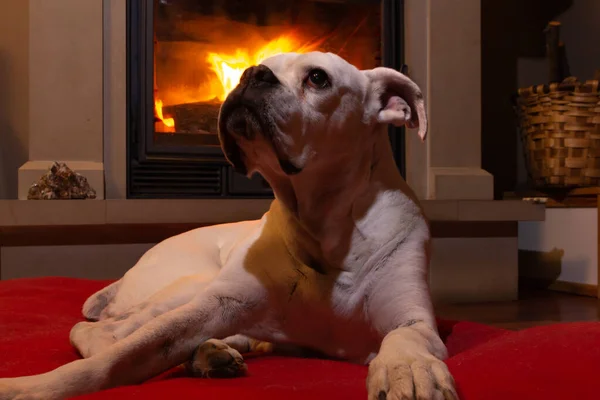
x=324 y=313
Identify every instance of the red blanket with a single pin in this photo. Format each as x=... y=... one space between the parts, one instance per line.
x=551 y=362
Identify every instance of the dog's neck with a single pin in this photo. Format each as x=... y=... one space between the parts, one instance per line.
x=324 y=208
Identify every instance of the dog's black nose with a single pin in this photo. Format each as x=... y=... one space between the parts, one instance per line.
x=259 y=73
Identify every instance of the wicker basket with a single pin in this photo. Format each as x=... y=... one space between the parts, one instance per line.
x=560 y=132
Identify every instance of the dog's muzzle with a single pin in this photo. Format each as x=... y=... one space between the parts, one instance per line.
x=238 y=116
x=242 y=116
x=245 y=100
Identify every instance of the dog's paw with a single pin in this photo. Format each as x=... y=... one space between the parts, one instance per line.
x=8 y=391
x=404 y=378
x=216 y=359
x=90 y=338
x=17 y=389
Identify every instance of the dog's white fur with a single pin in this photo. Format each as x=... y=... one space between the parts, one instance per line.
x=338 y=264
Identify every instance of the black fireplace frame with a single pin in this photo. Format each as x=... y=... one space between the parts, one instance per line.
x=177 y=167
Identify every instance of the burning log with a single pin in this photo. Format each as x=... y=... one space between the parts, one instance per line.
x=198 y=117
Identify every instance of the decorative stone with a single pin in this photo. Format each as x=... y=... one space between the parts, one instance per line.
x=61 y=183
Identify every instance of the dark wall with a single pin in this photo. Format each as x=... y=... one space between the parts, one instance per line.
x=510 y=29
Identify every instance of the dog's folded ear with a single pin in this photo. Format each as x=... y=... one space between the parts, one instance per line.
x=401 y=101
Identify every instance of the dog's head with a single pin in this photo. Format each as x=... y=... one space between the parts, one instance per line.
x=297 y=111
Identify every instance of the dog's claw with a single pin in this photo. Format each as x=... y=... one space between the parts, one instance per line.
x=450 y=394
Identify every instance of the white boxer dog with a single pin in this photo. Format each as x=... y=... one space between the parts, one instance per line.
x=337 y=265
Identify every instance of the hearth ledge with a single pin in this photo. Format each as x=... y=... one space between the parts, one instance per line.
x=98 y=212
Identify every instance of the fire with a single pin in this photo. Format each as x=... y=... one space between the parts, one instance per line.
x=230 y=67
x=168 y=122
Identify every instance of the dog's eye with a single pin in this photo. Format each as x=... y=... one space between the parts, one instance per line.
x=317 y=78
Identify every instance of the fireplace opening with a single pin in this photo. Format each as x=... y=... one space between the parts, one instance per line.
x=185 y=56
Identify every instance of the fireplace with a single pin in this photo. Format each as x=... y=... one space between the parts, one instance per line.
x=184 y=56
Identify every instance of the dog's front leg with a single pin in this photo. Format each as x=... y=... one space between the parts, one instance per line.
x=410 y=363
x=222 y=309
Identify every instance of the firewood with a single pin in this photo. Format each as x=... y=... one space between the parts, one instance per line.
x=198 y=117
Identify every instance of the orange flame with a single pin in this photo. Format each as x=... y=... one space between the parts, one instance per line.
x=169 y=122
x=230 y=67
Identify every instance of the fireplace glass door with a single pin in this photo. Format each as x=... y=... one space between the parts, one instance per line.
x=185 y=56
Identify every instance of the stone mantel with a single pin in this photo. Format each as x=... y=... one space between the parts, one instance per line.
x=211 y=211
x=77 y=72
